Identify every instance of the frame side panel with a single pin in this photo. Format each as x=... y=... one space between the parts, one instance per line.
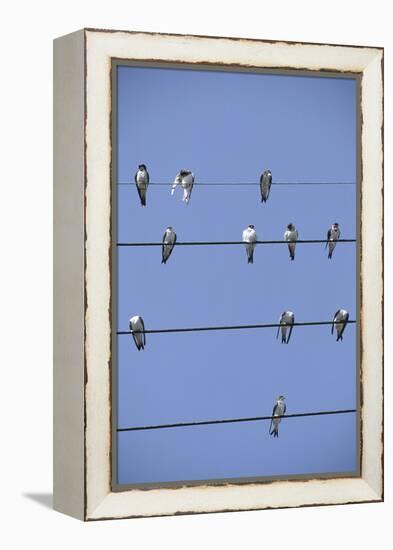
x=372 y=274
x=68 y=242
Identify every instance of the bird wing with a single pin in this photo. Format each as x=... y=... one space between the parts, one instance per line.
x=273 y=414
x=133 y=335
x=190 y=189
x=163 y=246
x=143 y=329
x=261 y=185
x=176 y=183
x=191 y=186
x=135 y=340
x=329 y=234
x=334 y=319
x=284 y=409
x=137 y=187
x=278 y=328
x=344 y=324
x=290 y=331
x=269 y=183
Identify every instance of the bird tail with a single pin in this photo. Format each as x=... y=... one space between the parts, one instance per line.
x=138 y=344
x=251 y=256
x=163 y=261
x=283 y=339
x=291 y=249
x=273 y=430
x=142 y=195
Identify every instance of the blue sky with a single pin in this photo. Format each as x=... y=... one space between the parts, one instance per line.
x=228 y=127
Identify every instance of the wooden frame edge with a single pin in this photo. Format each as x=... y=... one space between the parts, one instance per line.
x=98 y=501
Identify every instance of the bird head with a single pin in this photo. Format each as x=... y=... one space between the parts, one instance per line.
x=280 y=399
x=336 y=226
x=142 y=167
x=134 y=319
x=184 y=172
x=290 y=226
x=251 y=226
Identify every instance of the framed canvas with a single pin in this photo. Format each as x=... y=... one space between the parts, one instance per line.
x=218 y=262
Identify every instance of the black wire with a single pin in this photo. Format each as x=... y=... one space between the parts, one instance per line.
x=232 y=420
x=252 y=183
x=208 y=243
x=233 y=327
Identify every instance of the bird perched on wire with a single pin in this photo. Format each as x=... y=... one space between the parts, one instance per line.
x=265 y=183
x=333 y=236
x=185 y=178
x=137 y=328
x=286 y=325
x=249 y=238
x=340 y=321
x=168 y=244
x=142 y=182
x=291 y=235
x=278 y=410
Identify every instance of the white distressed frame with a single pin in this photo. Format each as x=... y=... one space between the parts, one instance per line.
x=99 y=501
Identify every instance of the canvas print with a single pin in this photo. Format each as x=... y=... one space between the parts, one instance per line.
x=234 y=275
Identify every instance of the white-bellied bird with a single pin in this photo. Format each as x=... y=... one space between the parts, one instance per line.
x=291 y=236
x=278 y=410
x=168 y=244
x=142 y=182
x=333 y=236
x=340 y=321
x=249 y=238
x=265 y=183
x=137 y=328
x=286 y=325
x=185 y=178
